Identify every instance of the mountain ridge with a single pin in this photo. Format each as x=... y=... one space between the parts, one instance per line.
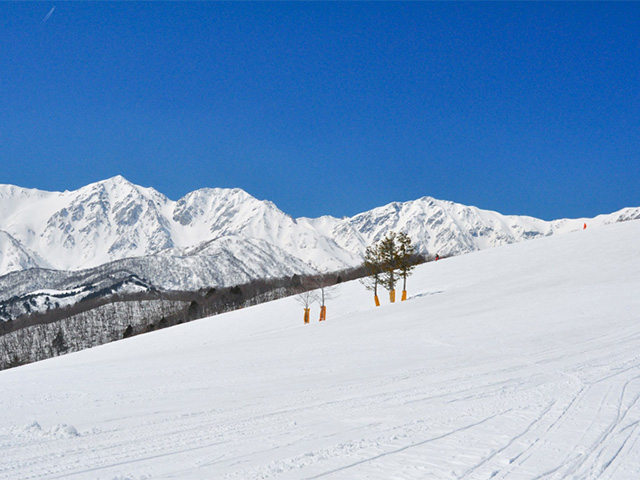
x=114 y=220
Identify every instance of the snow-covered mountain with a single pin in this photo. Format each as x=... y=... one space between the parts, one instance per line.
x=448 y=228
x=115 y=219
x=223 y=236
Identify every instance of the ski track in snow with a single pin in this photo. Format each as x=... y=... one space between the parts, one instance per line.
x=513 y=371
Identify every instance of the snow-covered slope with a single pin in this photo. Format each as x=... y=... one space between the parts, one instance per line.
x=517 y=362
x=114 y=220
x=14 y=257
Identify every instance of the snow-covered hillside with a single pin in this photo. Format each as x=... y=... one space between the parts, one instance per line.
x=13 y=256
x=517 y=362
x=247 y=238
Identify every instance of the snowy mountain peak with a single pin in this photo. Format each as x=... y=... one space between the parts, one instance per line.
x=216 y=208
x=114 y=181
x=117 y=179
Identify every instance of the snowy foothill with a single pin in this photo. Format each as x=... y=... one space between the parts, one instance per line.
x=517 y=362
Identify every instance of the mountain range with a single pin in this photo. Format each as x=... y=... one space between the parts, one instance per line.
x=214 y=236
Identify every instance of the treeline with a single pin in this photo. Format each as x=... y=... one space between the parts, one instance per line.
x=86 y=329
x=99 y=320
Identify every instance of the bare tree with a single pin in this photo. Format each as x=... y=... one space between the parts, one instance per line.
x=306 y=299
x=325 y=292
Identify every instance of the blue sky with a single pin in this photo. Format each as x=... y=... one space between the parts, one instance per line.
x=329 y=108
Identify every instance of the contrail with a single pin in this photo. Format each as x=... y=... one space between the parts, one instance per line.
x=47 y=16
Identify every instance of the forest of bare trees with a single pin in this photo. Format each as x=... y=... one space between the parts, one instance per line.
x=100 y=320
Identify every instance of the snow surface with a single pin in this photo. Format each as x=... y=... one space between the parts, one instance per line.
x=519 y=362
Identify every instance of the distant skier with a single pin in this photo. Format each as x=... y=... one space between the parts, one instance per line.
x=585 y=227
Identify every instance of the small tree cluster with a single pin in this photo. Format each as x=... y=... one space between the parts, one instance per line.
x=386 y=262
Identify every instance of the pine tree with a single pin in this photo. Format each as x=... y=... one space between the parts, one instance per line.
x=406 y=260
x=389 y=259
x=59 y=344
x=374 y=271
x=127 y=332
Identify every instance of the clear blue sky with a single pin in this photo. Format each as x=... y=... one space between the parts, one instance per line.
x=329 y=108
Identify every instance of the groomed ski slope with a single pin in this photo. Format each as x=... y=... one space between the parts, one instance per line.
x=519 y=362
